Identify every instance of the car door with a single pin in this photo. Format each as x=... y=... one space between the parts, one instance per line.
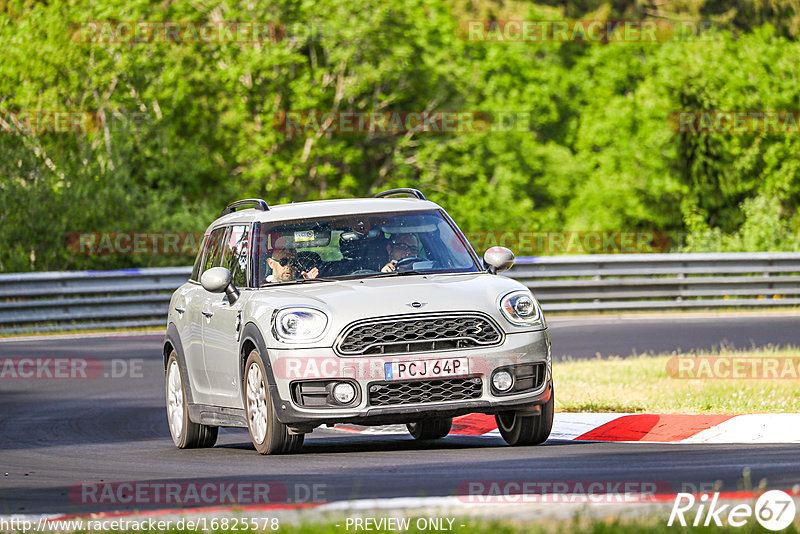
x=194 y=304
x=222 y=326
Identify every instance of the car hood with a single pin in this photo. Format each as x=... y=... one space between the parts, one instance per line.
x=346 y=301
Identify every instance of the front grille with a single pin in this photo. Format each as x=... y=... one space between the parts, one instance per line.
x=421 y=391
x=420 y=333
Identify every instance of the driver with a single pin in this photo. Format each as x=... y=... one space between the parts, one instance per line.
x=400 y=246
x=282 y=261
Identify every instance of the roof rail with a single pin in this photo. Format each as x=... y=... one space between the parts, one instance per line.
x=402 y=191
x=255 y=203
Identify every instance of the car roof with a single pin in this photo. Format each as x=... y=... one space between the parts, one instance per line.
x=325 y=208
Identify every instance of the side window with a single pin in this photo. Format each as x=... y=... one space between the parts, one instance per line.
x=213 y=250
x=199 y=260
x=236 y=253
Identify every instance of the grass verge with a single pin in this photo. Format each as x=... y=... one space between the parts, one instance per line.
x=721 y=382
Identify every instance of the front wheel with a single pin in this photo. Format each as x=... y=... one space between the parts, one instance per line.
x=520 y=430
x=185 y=433
x=269 y=435
x=430 y=428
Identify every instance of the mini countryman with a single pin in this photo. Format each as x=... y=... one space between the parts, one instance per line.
x=362 y=311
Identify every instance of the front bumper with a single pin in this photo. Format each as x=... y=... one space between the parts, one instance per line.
x=290 y=366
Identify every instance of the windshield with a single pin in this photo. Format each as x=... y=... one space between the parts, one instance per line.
x=359 y=246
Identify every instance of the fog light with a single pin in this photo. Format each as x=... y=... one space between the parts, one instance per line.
x=502 y=381
x=344 y=392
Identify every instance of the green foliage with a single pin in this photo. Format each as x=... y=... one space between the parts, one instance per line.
x=185 y=128
x=764 y=229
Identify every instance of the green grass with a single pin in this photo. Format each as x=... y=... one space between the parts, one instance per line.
x=644 y=384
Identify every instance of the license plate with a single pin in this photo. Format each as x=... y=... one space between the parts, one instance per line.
x=426 y=368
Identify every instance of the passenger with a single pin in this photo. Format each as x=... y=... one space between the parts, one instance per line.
x=283 y=261
x=400 y=246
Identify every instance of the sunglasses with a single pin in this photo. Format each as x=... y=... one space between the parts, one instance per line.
x=399 y=245
x=286 y=261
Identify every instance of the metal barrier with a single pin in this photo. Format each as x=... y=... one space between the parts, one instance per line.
x=36 y=302
x=52 y=301
x=618 y=282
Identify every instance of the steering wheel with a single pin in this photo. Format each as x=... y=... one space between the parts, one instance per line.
x=306 y=261
x=408 y=261
x=364 y=271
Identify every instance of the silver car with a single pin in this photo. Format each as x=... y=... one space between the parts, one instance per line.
x=364 y=311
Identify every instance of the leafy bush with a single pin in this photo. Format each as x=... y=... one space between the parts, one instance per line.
x=187 y=127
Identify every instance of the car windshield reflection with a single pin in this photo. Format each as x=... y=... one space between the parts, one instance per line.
x=360 y=246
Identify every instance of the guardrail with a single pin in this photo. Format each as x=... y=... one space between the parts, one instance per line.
x=52 y=301
x=618 y=282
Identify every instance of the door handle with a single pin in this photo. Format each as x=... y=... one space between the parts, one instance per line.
x=180 y=309
x=208 y=313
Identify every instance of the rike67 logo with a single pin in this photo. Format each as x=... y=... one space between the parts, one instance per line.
x=774 y=510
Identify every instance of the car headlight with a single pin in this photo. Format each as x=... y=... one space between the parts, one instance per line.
x=295 y=325
x=521 y=308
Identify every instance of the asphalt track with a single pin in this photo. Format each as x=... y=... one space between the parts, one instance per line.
x=57 y=434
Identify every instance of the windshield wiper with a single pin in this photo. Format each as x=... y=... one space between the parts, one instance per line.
x=400 y=273
x=298 y=281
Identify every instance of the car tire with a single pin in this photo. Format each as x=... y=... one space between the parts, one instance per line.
x=520 y=430
x=185 y=433
x=269 y=435
x=430 y=428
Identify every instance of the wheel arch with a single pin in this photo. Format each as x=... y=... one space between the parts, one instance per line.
x=252 y=338
x=172 y=341
x=167 y=350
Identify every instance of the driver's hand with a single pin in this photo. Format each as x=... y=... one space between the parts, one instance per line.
x=313 y=273
x=389 y=267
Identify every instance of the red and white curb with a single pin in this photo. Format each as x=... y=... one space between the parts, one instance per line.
x=653 y=428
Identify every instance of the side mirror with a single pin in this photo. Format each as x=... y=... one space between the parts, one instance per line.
x=498 y=259
x=219 y=280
